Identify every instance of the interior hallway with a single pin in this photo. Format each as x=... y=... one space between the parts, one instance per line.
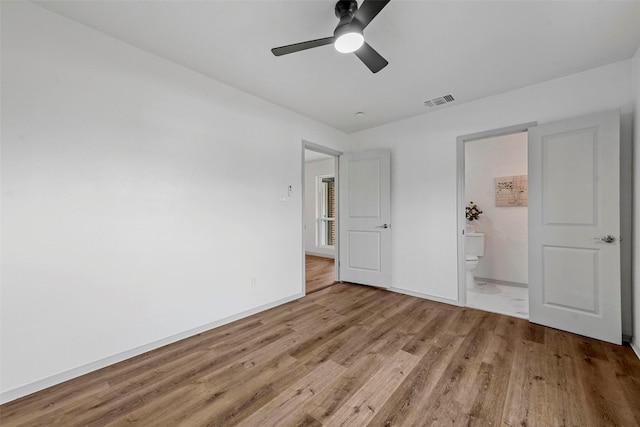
x=320 y=273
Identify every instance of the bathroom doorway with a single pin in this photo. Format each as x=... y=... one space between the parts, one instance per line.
x=493 y=192
x=320 y=220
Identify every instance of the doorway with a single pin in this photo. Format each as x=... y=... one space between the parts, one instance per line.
x=496 y=239
x=493 y=199
x=320 y=217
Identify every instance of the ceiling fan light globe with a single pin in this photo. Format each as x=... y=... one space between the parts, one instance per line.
x=349 y=42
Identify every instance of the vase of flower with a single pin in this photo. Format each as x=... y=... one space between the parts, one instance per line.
x=473 y=213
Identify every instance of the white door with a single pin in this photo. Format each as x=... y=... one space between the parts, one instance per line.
x=365 y=218
x=574 y=226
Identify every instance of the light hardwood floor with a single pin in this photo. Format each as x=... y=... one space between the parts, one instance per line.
x=353 y=355
x=319 y=272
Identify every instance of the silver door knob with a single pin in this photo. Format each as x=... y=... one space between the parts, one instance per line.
x=382 y=226
x=608 y=238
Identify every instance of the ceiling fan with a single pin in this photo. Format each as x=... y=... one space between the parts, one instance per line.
x=348 y=36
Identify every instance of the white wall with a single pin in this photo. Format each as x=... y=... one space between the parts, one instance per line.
x=423 y=167
x=505 y=257
x=636 y=205
x=312 y=171
x=138 y=198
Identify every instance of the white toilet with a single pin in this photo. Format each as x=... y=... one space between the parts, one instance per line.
x=474 y=248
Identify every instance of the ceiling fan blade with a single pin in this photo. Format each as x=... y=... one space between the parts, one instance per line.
x=297 y=47
x=369 y=10
x=371 y=58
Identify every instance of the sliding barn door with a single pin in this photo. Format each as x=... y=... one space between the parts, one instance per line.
x=365 y=218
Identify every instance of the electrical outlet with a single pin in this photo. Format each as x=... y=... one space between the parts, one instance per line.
x=254 y=282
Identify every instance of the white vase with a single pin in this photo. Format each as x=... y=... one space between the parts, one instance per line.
x=471 y=227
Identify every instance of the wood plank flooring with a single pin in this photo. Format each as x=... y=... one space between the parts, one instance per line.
x=319 y=273
x=353 y=355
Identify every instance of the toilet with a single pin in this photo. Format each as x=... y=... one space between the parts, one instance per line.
x=474 y=248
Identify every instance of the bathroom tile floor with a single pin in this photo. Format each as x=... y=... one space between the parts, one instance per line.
x=502 y=299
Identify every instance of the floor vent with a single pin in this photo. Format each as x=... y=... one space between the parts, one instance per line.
x=439 y=101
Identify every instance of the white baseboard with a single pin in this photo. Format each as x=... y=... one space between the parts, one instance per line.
x=425 y=296
x=635 y=347
x=320 y=254
x=502 y=282
x=27 y=389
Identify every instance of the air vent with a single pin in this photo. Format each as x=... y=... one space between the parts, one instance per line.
x=439 y=101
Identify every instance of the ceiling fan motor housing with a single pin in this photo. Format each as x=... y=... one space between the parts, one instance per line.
x=345 y=10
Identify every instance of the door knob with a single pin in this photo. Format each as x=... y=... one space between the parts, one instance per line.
x=608 y=238
x=382 y=226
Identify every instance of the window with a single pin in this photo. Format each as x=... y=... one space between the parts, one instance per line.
x=326 y=235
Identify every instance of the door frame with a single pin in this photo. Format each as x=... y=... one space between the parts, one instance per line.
x=461 y=203
x=306 y=145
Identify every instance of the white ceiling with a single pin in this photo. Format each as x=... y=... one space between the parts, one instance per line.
x=470 y=49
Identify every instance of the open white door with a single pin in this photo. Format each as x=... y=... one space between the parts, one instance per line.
x=574 y=226
x=365 y=218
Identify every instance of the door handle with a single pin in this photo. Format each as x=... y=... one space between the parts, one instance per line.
x=608 y=238
x=383 y=226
